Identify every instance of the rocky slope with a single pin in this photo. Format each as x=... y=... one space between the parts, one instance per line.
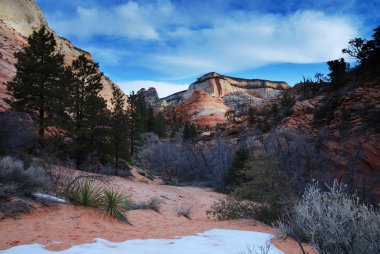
x=349 y=141
x=18 y=19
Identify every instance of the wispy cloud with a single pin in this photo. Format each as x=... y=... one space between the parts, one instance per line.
x=129 y=20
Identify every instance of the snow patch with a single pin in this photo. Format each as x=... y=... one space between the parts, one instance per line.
x=50 y=197
x=218 y=241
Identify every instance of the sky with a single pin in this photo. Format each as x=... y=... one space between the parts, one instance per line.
x=169 y=43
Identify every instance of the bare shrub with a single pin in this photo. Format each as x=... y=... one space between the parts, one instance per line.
x=299 y=156
x=153 y=203
x=188 y=162
x=232 y=208
x=257 y=249
x=16 y=132
x=18 y=181
x=185 y=210
x=64 y=179
x=333 y=222
x=14 y=208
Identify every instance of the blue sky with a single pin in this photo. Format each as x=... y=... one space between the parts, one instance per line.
x=169 y=43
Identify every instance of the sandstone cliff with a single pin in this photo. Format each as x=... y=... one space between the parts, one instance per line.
x=202 y=109
x=213 y=90
x=218 y=85
x=18 y=19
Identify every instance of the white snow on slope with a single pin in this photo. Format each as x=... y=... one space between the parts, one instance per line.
x=216 y=241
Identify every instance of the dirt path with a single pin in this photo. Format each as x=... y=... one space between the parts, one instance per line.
x=61 y=226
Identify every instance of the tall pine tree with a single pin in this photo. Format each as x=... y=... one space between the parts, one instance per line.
x=37 y=87
x=119 y=127
x=138 y=113
x=88 y=108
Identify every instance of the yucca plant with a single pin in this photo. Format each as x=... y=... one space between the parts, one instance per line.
x=113 y=204
x=85 y=193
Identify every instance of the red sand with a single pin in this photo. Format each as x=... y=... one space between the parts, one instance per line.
x=73 y=225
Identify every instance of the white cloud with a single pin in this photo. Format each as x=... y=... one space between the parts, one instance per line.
x=168 y=39
x=129 y=20
x=163 y=88
x=251 y=40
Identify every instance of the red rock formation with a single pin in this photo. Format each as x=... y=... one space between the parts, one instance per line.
x=349 y=141
x=219 y=85
x=10 y=42
x=202 y=109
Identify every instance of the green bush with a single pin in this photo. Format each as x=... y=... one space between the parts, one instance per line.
x=264 y=194
x=266 y=185
x=235 y=176
x=84 y=193
x=91 y=194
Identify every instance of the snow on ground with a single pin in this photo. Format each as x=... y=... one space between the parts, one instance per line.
x=218 y=241
x=50 y=197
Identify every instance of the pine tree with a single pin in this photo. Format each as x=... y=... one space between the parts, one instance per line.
x=119 y=127
x=160 y=125
x=88 y=108
x=189 y=131
x=37 y=86
x=138 y=113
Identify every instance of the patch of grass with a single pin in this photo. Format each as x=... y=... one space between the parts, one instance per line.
x=185 y=211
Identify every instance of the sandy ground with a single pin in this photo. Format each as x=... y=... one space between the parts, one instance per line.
x=61 y=226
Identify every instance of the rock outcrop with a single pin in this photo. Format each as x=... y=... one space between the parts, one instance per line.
x=213 y=90
x=202 y=109
x=151 y=96
x=350 y=141
x=18 y=19
x=218 y=85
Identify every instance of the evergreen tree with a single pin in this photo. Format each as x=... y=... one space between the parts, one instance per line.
x=189 y=131
x=160 y=125
x=37 y=86
x=235 y=176
x=173 y=120
x=252 y=115
x=338 y=69
x=88 y=108
x=150 y=121
x=138 y=113
x=119 y=127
